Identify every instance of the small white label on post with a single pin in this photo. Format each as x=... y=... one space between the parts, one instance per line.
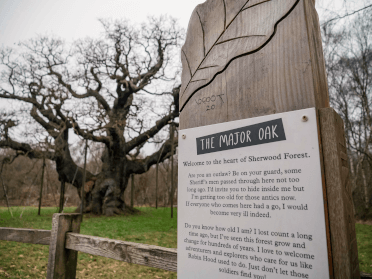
x=250 y=199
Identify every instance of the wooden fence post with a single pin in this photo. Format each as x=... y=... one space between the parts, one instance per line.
x=62 y=262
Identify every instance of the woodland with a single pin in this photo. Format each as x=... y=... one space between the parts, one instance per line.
x=347 y=44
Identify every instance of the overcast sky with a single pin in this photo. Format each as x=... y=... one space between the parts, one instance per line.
x=73 y=19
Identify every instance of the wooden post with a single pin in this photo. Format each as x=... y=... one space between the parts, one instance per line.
x=84 y=180
x=288 y=72
x=338 y=192
x=62 y=196
x=172 y=155
x=131 y=190
x=41 y=187
x=239 y=62
x=62 y=262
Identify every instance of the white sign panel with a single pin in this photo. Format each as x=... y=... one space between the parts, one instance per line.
x=250 y=199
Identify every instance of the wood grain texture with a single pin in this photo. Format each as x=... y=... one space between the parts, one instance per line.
x=340 y=207
x=277 y=78
x=62 y=261
x=226 y=30
x=325 y=200
x=25 y=235
x=136 y=253
x=316 y=54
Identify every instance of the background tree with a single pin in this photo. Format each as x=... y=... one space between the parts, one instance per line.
x=109 y=91
x=334 y=11
x=348 y=53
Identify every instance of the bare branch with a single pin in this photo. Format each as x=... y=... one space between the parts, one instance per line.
x=346 y=15
x=26 y=150
x=151 y=132
x=143 y=165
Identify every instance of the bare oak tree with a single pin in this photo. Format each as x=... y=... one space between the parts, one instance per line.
x=109 y=91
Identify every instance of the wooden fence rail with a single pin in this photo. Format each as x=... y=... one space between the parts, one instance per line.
x=65 y=241
x=136 y=253
x=25 y=235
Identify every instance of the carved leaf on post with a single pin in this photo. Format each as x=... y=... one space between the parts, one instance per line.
x=223 y=30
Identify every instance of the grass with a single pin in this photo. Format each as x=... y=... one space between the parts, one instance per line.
x=364 y=239
x=151 y=226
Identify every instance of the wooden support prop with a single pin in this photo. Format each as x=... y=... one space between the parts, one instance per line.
x=172 y=166
x=25 y=235
x=62 y=196
x=84 y=180
x=41 y=187
x=136 y=253
x=5 y=195
x=132 y=190
x=245 y=59
x=62 y=262
x=156 y=185
x=157 y=178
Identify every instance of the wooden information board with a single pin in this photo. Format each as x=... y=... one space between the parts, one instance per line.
x=251 y=199
x=249 y=58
